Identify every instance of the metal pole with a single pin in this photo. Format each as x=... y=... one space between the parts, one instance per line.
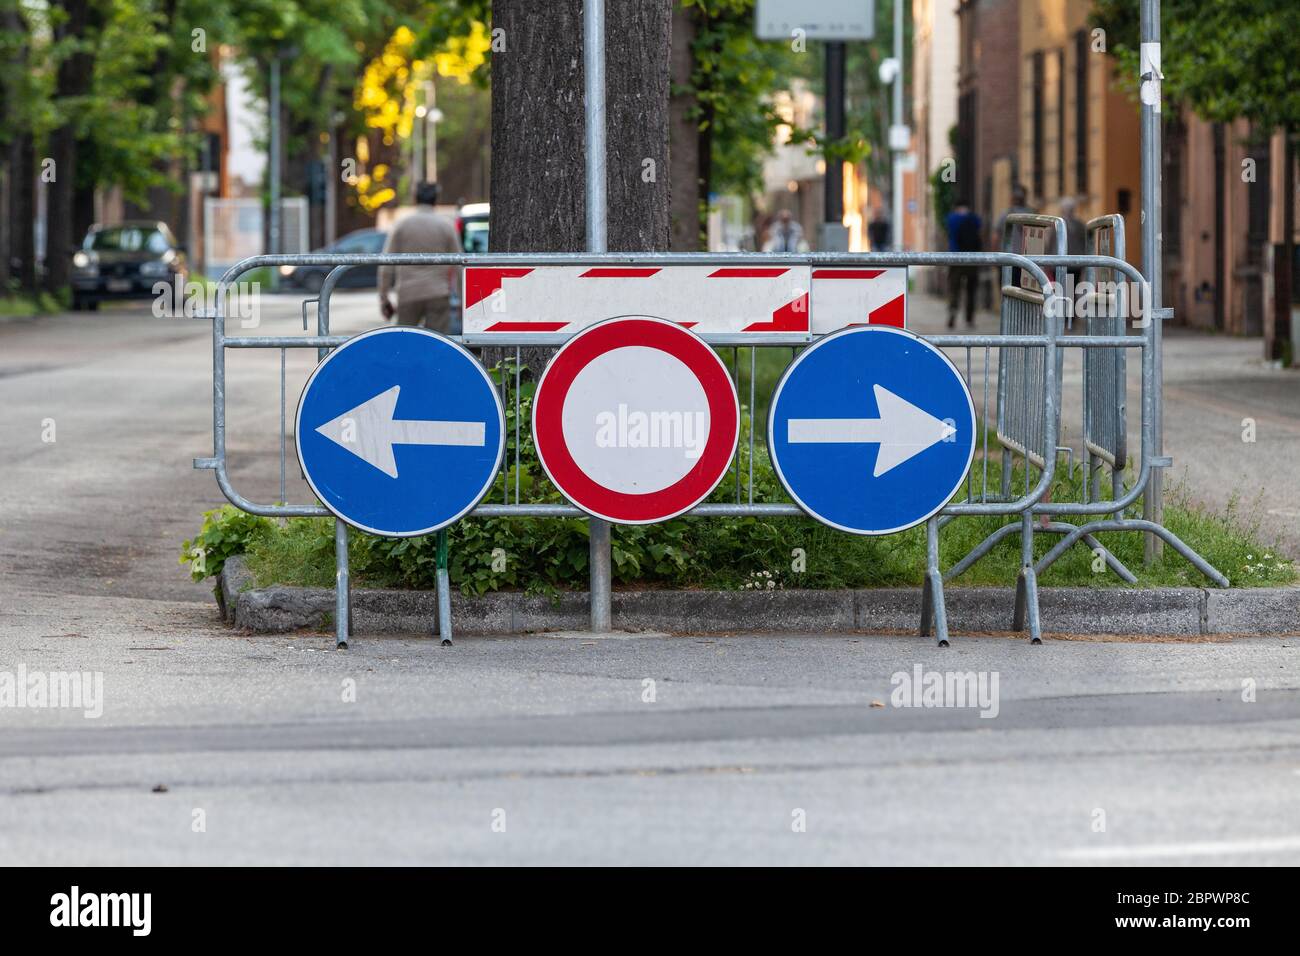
x=1153 y=501
x=273 y=166
x=833 y=184
x=593 y=61
x=444 y=591
x=896 y=233
x=342 y=587
x=331 y=184
x=431 y=132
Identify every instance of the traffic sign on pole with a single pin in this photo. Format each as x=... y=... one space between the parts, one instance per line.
x=400 y=432
x=871 y=430
x=636 y=420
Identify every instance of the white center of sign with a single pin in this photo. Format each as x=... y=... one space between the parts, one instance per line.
x=636 y=420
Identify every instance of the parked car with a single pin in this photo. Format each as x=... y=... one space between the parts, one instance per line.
x=360 y=242
x=125 y=261
x=472 y=224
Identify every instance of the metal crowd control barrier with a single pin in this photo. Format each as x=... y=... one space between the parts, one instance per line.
x=1039 y=336
x=1104 y=305
x=1021 y=379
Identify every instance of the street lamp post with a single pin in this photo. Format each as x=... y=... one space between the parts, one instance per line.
x=273 y=166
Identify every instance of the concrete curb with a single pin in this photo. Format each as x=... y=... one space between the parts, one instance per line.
x=1180 y=612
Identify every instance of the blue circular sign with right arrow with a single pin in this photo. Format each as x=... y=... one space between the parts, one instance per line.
x=871 y=430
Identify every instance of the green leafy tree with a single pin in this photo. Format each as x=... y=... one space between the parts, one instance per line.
x=1227 y=60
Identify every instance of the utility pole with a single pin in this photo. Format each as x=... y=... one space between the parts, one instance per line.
x=1153 y=497
x=593 y=62
x=899 y=136
x=834 y=237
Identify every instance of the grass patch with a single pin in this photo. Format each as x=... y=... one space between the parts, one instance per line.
x=548 y=555
x=25 y=306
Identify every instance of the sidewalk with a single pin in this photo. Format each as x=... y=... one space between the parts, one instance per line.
x=1214 y=386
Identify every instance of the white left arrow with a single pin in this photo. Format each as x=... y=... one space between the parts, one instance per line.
x=902 y=430
x=370 y=432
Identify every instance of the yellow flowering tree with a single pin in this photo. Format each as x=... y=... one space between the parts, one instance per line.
x=389 y=91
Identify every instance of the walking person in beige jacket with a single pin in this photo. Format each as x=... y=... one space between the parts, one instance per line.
x=423 y=292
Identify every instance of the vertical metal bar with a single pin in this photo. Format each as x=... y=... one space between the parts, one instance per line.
x=735 y=375
x=753 y=423
x=505 y=403
x=984 y=488
x=518 y=361
x=342 y=586
x=1149 y=69
x=970 y=478
x=283 y=499
x=593 y=62
x=444 y=591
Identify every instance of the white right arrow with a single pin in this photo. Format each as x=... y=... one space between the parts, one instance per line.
x=370 y=432
x=902 y=430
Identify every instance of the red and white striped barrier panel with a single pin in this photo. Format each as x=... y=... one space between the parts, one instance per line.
x=726 y=305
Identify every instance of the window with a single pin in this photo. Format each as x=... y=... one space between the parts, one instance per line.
x=128 y=239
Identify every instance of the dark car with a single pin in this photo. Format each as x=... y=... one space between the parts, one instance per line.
x=360 y=242
x=125 y=261
x=472 y=224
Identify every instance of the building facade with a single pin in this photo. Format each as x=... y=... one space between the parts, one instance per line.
x=1039 y=102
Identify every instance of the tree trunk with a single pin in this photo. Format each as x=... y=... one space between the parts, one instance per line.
x=538 y=177
x=638 y=37
x=73 y=79
x=537 y=128
x=22 y=211
x=683 y=137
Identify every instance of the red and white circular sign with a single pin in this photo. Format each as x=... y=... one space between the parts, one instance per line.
x=636 y=420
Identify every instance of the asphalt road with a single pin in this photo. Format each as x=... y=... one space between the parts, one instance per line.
x=549 y=750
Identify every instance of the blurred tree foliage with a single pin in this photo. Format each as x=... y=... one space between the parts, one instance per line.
x=1226 y=60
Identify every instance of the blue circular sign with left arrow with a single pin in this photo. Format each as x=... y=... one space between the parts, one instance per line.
x=400 y=432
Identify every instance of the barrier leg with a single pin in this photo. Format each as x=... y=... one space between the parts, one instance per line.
x=934 y=587
x=1026 y=612
x=342 y=587
x=444 y=591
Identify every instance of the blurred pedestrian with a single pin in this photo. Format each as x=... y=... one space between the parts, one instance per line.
x=1019 y=204
x=786 y=235
x=1075 y=238
x=878 y=233
x=964 y=230
x=423 y=292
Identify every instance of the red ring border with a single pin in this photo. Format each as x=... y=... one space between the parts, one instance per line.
x=621 y=507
